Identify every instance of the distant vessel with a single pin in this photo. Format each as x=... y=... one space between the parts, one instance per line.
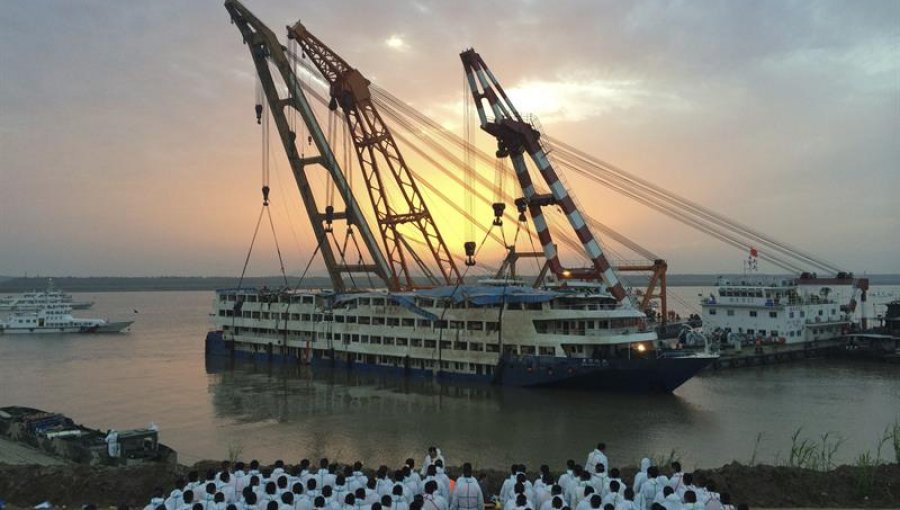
x=35 y=300
x=754 y=309
x=57 y=318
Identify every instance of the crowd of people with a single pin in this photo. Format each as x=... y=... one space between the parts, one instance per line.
x=592 y=486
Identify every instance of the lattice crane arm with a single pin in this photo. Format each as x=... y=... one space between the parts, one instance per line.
x=515 y=136
x=383 y=167
x=265 y=48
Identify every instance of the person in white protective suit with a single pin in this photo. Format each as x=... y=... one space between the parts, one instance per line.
x=360 y=502
x=598 y=456
x=520 y=503
x=301 y=500
x=615 y=475
x=411 y=478
x=568 y=477
x=650 y=488
x=187 y=500
x=359 y=479
x=112 y=444
x=156 y=500
x=599 y=479
x=287 y=501
x=586 y=502
x=541 y=490
x=670 y=500
x=627 y=502
x=556 y=492
x=676 y=481
x=641 y=476
x=690 y=501
x=576 y=490
x=434 y=453
x=613 y=496
x=432 y=500
x=506 y=490
x=467 y=494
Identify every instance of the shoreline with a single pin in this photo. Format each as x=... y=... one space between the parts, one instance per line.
x=25 y=483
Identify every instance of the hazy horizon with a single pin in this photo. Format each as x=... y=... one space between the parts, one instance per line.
x=128 y=144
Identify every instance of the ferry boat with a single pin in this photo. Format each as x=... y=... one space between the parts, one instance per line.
x=57 y=318
x=35 y=300
x=569 y=335
x=753 y=309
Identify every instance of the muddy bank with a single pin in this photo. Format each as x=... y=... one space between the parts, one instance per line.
x=758 y=486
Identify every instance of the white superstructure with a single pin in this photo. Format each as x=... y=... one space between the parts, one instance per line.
x=57 y=318
x=36 y=300
x=755 y=308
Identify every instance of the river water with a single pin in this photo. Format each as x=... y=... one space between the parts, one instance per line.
x=158 y=373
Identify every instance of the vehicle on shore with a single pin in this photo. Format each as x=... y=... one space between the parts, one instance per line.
x=60 y=436
x=55 y=319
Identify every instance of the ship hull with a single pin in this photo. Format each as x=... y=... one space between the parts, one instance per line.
x=649 y=374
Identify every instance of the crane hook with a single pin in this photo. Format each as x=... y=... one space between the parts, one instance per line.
x=258 y=113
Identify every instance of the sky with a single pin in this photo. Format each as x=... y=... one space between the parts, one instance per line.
x=128 y=144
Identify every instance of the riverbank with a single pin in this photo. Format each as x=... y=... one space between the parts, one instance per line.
x=758 y=486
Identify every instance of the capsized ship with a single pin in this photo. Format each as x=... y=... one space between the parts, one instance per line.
x=572 y=327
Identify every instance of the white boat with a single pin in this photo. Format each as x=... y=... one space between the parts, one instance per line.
x=756 y=309
x=36 y=300
x=57 y=318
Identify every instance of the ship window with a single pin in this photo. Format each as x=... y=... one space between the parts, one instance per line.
x=514 y=306
x=415 y=342
x=752 y=313
x=426 y=302
x=491 y=327
x=511 y=349
x=546 y=351
x=364 y=339
x=376 y=340
x=527 y=349
x=251 y=299
x=408 y=322
x=712 y=311
x=457 y=325
x=305 y=317
x=378 y=321
x=791 y=315
x=423 y=323
x=402 y=341
x=475 y=326
x=363 y=320
x=308 y=300
x=820 y=312
x=430 y=344
x=364 y=301
x=221 y=313
x=533 y=306
x=476 y=346
x=393 y=321
x=492 y=348
x=351 y=319
x=774 y=333
x=773 y=315
x=378 y=302
x=339 y=318
x=459 y=346
x=445 y=344
x=440 y=324
x=388 y=340
x=762 y=332
x=729 y=313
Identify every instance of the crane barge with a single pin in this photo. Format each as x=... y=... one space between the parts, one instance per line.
x=418 y=315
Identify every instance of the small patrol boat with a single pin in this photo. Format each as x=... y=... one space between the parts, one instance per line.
x=57 y=318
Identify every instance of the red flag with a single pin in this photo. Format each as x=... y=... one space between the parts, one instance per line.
x=753 y=252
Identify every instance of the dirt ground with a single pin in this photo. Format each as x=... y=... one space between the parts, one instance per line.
x=758 y=486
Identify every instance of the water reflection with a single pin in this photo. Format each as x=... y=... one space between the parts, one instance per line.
x=364 y=413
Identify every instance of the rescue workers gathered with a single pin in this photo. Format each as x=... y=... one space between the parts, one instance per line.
x=594 y=486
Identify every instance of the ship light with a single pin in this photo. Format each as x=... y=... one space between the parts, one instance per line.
x=641 y=347
x=566 y=273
